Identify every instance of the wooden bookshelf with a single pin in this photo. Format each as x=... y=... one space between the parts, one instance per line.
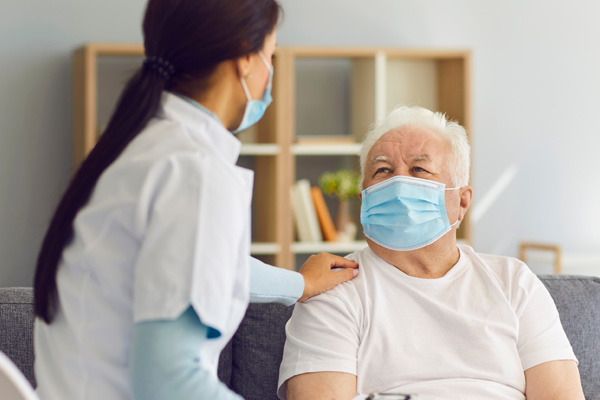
x=370 y=82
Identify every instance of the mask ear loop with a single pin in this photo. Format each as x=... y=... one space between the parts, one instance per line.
x=268 y=67
x=454 y=188
x=243 y=79
x=245 y=87
x=264 y=59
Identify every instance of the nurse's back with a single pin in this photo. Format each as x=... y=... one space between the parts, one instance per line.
x=114 y=260
x=84 y=352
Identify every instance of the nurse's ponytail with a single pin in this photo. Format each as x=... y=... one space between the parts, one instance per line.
x=184 y=42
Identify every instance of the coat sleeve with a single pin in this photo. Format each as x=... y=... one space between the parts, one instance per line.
x=165 y=362
x=194 y=221
x=270 y=284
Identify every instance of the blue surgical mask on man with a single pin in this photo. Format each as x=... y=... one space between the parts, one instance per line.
x=255 y=109
x=404 y=213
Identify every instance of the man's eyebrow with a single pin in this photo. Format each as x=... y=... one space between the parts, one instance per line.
x=421 y=157
x=379 y=158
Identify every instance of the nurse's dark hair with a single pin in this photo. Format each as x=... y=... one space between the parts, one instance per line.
x=194 y=36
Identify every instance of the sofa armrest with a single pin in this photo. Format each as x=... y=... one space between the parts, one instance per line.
x=16 y=328
x=256 y=351
x=577 y=299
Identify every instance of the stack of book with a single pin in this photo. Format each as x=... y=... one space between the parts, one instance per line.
x=311 y=215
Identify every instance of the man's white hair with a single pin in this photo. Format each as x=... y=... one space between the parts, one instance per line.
x=460 y=162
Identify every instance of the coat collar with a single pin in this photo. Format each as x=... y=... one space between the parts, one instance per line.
x=203 y=126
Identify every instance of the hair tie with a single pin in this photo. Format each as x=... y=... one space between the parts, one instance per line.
x=160 y=66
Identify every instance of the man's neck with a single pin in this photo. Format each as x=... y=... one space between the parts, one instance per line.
x=429 y=262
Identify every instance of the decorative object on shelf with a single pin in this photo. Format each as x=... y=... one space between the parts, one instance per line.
x=542 y=247
x=342 y=184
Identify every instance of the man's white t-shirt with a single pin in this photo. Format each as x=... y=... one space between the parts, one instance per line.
x=468 y=335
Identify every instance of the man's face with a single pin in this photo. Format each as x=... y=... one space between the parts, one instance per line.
x=409 y=151
x=415 y=152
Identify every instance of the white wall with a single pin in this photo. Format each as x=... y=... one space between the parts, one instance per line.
x=536 y=96
x=36 y=41
x=536 y=92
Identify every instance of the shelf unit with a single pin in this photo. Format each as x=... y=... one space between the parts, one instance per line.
x=85 y=91
x=339 y=91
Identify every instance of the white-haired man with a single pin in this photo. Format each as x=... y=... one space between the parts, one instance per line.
x=426 y=315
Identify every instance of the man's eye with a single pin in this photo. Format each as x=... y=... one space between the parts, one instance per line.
x=419 y=169
x=382 y=170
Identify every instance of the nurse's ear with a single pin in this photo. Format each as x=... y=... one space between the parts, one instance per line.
x=244 y=65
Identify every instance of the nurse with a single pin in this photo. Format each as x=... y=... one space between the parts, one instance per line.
x=144 y=273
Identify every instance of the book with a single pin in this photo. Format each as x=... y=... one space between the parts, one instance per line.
x=327 y=227
x=304 y=212
x=300 y=221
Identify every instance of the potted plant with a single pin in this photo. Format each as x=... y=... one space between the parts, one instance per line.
x=342 y=184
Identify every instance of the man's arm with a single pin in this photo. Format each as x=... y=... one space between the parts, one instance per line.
x=553 y=380
x=322 y=386
x=320 y=354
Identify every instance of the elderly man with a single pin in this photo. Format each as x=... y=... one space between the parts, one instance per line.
x=426 y=315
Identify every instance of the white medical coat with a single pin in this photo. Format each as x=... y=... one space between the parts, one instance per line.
x=167 y=225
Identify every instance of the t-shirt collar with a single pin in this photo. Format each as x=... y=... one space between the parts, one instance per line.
x=454 y=272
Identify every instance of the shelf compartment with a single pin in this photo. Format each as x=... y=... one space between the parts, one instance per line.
x=349 y=149
x=264 y=248
x=329 y=247
x=259 y=149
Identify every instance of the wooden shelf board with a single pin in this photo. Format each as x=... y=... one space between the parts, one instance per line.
x=325 y=149
x=368 y=52
x=116 y=49
x=263 y=248
x=330 y=247
x=259 y=149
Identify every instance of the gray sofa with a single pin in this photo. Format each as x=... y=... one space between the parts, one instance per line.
x=250 y=362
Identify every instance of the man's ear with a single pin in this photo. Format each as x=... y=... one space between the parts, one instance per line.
x=466 y=196
x=360 y=188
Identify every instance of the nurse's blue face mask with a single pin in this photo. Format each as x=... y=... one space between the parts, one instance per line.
x=255 y=109
x=404 y=213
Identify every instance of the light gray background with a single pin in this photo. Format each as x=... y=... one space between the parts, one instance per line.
x=536 y=96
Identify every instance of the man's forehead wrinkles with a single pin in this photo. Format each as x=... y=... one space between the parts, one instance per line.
x=416 y=157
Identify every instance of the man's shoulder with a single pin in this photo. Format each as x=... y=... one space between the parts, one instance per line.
x=350 y=291
x=492 y=260
x=508 y=272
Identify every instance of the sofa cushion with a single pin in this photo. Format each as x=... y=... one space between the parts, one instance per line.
x=16 y=328
x=257 y=349
x=577 y=299
x=250 y=362
x=224 y=371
